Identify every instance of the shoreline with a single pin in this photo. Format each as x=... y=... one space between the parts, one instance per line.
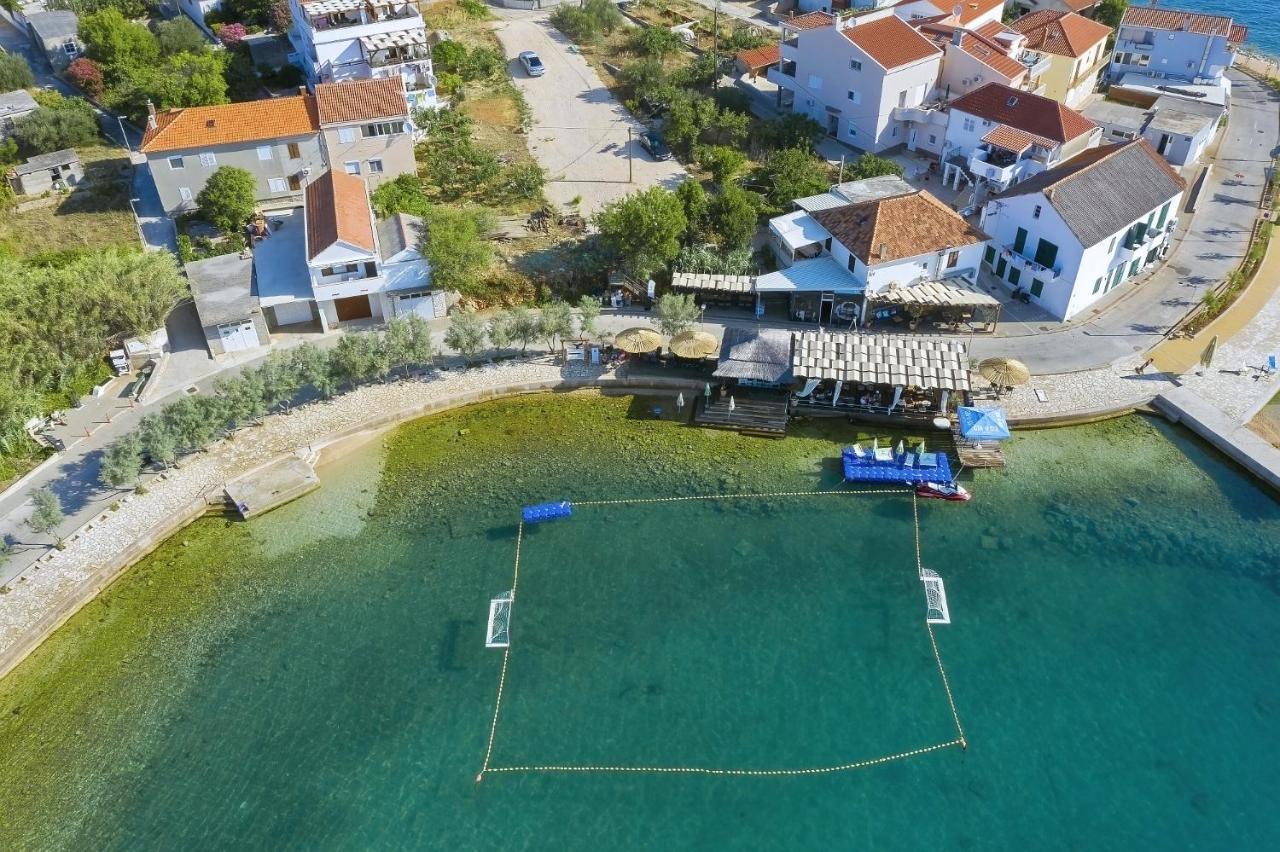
x=60 y=584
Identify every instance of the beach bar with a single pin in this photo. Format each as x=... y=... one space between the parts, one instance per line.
x=878 y=376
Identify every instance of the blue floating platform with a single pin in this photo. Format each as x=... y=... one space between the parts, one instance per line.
x=907 y=469
x=546 y=512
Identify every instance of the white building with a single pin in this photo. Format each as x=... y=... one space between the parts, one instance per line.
x=1072 y=233
x=1171 y=44
x=1076 y=48
x=330 y=262
x=1002 y=135
x=969 y=14
x=352 y=39
x=197 y=9
x=832 y=255
x=851 y=75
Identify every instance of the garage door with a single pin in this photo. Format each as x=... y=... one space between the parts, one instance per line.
x=237 y=336
x=290 y=313
x=429 y=305
x=354 y=308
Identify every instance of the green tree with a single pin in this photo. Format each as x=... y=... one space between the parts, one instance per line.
x=180 y=35
x=1110 y=12
x=694 y=201
x=69 y=124
x=555 y=322
x=357 y=358
x=46 y=514
x=500 y=330
x=643 y=75
x=118 y=44
x=137 y=290
x=227 y=199
x=121 y=462
x=15 y=73
x=280 y=379
x=159 y=439
x=676 y=312
x=735 y=215
x=588 y=315
x=525 y=180
x=793 y=130
x=312 y=366
x=687 y=117
x=642 y=230
x=190 y=79
x=404 y=194
x=794 y=173
x=244 y=397
x=449 y=57
x=723 y=162
x=710 y=259
x=456 y=247
x=465 y=334
x=523 y=328
x=408 y=341
x=869 y=166
x=654 y=41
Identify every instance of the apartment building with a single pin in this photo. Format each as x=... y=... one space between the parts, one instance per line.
x=850 y=74
x=1073 y=233
x=1076 y=48
x=1171 y=44
x=365 y=128
x=338 y=40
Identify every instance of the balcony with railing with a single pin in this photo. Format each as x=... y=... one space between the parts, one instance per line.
x=339 y=14
x=1035 y=63
x=387 y=57
x=994 y=164
x=1046 y=274
x=1134 y=46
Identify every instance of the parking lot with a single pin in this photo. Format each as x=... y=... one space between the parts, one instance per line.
x=580 y=131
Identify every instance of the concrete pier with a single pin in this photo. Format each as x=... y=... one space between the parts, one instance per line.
x=267 y=487
x=1244 y=447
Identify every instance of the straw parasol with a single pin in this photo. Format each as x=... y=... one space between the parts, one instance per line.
x=1004 y=372
x=694 y=344
x=638 y=340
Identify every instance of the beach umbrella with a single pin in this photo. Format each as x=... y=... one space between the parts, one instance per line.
x=694 y=344
x=680 y=400
x=1206 y=357
x=637 y=341
x=732 y=405
x=1004 y=372
x=983 y=424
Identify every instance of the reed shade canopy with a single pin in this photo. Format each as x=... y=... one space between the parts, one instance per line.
x=1004 y=372
x=636 y=341
x=695 y=344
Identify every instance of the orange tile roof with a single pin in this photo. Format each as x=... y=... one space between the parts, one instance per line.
x=760 y=57
x=227 y=124
x=971 y=9
x=891 y=42
x=1079 y=5
x=1063 y=33
x=1012 y=139
x=1238 y=34
x=337 y=211
x=1174 y=19
x=810 y=21
x=991 y=29
x=1035 y=114
x=899 y=226
x=361 y=100
x=990 y=55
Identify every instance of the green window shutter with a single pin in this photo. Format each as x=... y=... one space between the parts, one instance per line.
x=1020 y=241
x=1046 y=254
x=1133 y=267
x=1000 y=265
x=1097 y=285
x=1015 y=274
x=1037 y=286
x=989 y=256
x=1164 y=214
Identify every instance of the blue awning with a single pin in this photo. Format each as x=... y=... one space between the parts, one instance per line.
x=983 y=424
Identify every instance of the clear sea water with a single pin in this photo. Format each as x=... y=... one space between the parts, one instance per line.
x=316 y=679
x=1261 y=17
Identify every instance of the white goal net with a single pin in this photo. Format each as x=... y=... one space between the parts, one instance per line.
x=498 y=633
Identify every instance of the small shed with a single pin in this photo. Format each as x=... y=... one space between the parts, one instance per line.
x=14 y=106
x=57 y=34
x=1181 y=129
x=45 y=172
x=755 y=357
x=230 y=315
x=758 y=60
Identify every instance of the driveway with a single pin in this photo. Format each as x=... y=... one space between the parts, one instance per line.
x=580 y=131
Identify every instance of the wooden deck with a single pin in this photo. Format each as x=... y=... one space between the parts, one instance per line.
x=975 y=454
x=764 y=416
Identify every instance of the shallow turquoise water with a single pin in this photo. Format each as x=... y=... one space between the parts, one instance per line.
x=1112 y=655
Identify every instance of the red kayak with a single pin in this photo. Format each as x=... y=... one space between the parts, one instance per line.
x=942 y=491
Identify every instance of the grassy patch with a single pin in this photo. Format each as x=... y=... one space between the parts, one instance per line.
x=94 y=215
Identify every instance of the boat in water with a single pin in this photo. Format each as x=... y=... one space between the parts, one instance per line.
x=943 y=491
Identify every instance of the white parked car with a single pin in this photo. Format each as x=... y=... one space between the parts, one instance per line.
x=532 y=64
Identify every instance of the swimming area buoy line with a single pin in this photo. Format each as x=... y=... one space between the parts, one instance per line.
x=564 y=509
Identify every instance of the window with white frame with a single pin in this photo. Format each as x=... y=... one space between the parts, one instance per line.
x=70 y=48
x=184 y=193
x=969 y=125
x=375 y=167
x=277 y=185
x=176 y=163
x=264 y=152
x=382 y=128
x=351 y=167
x=208 y=160
x=346 y=135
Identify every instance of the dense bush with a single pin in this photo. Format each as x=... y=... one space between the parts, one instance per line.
x=179 y=35
x=15 y=73
x=588 y=22
x=642 y=231
x=58 y=123
x=654 y=41
x=404 y=194
x=456 y=167
x=86 y=74
x=712 y=260
x=228 y=199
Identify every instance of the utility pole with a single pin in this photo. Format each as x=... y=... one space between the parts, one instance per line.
x=841 y=169
x=715 y=48
x=631 y=153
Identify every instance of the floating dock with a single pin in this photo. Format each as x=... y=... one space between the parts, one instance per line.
x=883 y=465
x=761 y=416
x=262 y=490
x=976 y=453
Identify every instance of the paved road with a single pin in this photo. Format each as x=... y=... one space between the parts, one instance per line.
x=580 y=130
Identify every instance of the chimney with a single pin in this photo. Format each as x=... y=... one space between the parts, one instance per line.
x=302 y=90
x=956 y=11
x=151 y=114
x=957 y=35
x=884 y=250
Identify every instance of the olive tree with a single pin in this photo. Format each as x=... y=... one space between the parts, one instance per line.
x=676 y=312
x=47 y=514
x=408 y=341
x=588 y=314
x=555 y=322
x=121 y=462
x=466 y=334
